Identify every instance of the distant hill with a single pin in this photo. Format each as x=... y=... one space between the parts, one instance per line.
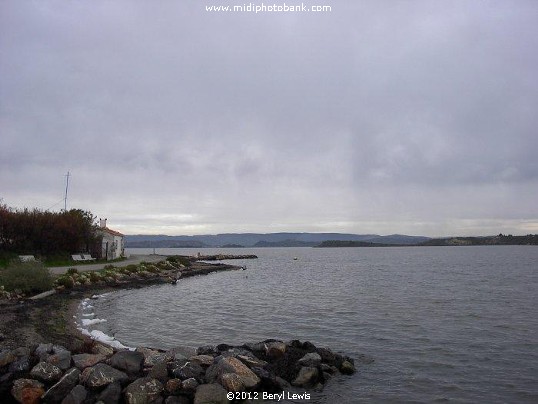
x=448 y=241
x=286 y=243
x=261 y=240
x=501 y=239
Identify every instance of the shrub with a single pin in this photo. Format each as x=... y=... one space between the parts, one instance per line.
x=95 y=277
x=179 y=259
x=28 y=277
x=72 y=271
x=65 y=280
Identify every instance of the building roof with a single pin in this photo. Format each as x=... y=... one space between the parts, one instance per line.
x=110 y=231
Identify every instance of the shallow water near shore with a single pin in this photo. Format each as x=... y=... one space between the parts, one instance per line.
x=442 y=323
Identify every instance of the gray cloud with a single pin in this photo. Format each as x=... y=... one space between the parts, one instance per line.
x=413 y=117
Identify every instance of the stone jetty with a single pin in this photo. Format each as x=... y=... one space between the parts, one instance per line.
x=220 y=257
x=50 y=373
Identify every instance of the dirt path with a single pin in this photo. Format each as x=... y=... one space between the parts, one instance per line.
x=133 y=259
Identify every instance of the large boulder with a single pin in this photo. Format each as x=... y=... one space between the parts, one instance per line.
x=308 y=376
x=128 y=361
x=202 y=360
x=57 y=392
x=230 y=364
x=111 y=393
x=152 y=356
x=102 y=375
x=275 y=349
x=83 y=361
x=27 y=391
x=46 y=372
x=76 y=396
x=20 y=366
x=347 y=367
x=60 y=357
x=311 y=359
x=211 y=394
x=232 y=382
x=188 y=370
x=143 y=391
x=6 y=357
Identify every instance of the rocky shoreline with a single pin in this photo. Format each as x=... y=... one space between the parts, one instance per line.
x=77 y=369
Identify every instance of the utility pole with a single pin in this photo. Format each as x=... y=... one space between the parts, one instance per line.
x=66 y=190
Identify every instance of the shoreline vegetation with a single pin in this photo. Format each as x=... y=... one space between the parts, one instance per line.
x=45 y=358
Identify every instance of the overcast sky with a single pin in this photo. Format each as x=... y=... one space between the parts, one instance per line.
x=414 y=117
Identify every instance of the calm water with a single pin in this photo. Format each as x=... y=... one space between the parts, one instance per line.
x=452 y=324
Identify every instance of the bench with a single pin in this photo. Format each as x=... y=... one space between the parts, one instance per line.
x=82 y=257
x=27 y=258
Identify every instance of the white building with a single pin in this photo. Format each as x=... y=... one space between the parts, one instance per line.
x=113 y=244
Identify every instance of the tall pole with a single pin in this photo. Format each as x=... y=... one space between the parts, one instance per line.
x=66 y=189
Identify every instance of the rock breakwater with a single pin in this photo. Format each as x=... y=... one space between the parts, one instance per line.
x=209 y=374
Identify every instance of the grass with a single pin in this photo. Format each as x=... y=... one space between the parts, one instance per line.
x=26 y=277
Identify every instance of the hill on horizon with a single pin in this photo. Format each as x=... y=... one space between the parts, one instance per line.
x=262 y=239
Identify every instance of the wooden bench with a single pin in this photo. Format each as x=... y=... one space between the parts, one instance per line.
x=27 y=258
x=82 y=257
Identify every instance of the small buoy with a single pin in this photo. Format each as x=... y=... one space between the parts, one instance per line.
x=295 y=258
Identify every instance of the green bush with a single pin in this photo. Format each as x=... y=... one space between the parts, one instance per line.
x=179 y=259
x=28 y=277
x=72 y=271
x=65 y=280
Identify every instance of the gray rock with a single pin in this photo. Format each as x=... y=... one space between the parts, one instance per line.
x=159 y=371
x=46 y=372
x=60 y=357
x=177 y=400
x=347 y=368
x=252 y=361
x=206 y=350
x=202 y=360
x=173 y=386
x=232 y=382
x=7 y=357
x=311 y=359
x=101 y=349
x=27 y=390
x=142 y=391
x=230 y=364
x=275 y=349
x=128 y=361
x=189 y=385
x=21 y=365
x=21 y=351
x=181 y=352
x=76 y=396
x=57 y=392
x=211 y=394
x=111 y=393
x=307 y=377
x=188 y=370
x=102 y=375
x=43 y=351
x=83 y=361
x=152 y=356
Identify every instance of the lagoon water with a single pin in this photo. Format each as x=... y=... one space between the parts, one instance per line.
x=456 y=324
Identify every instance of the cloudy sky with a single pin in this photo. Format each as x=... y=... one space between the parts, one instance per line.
x=414 y=117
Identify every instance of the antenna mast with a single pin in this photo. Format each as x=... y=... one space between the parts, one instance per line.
x=66 y=189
